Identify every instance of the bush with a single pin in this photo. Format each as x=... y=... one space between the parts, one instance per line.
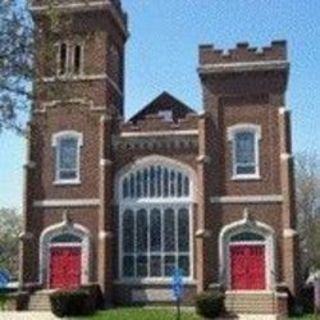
x=72 y=303
x=210 y=305
x=95 y=293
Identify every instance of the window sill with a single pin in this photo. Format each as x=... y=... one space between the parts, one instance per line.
x=246 y=177
x=66 y=182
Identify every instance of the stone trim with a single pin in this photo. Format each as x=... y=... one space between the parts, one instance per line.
x=85 y=5
x=289 y=233
x=92 y=77
x=56 y=203
x=159 y=133
x=105 y=162
x=243 y=66
x=248 y=199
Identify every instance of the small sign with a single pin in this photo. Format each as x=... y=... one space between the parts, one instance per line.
x=4 y=278
x=177 y=284
x=177 y=289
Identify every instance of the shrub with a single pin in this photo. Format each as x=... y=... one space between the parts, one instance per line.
x=210 y=305
x=95 y=293
x=72 y=303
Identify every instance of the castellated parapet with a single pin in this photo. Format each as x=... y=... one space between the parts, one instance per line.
x=243 y=53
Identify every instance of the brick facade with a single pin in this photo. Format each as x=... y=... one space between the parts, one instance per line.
x=243 y=86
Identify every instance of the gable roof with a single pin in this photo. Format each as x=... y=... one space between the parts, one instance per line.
x=164 y=102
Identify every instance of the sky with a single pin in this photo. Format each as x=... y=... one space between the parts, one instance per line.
x=162 y=54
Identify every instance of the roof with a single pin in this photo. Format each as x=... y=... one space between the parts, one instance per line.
x=164 y=102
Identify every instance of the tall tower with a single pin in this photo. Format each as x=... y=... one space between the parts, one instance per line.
x=79 y=85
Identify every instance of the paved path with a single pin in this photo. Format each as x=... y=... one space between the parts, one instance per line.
x=49 y=316
x=27 y=316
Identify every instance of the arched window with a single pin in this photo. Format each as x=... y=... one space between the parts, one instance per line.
x=245 y=150
x=154 y=221
x=67 y=146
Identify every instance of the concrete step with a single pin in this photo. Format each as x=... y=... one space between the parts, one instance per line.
x=251 y=303
x=40 y=301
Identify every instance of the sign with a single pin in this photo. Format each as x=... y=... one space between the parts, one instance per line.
x=177 y=284
x=4 y=278
x=177 y=289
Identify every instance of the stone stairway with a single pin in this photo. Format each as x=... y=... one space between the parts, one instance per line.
x=250 y=303
x=40 y=301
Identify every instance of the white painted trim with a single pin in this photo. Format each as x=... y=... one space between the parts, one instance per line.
x=248 y=199
x=245 y=225
x=155 y=281
x=289 y=233
x=158 y=160
x=75 y=5
x=286 y=156
x=56 y=203
x=56 y=138
x=232 y=132
x=284 y=110
x=84 y=77
x=87 y=5
x=159 y=133
x=44 y=249
x=161 y=204
x=243 y=66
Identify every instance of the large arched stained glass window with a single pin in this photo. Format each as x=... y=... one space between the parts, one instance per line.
x=154 y=222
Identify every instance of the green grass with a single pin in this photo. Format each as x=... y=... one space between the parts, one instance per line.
x=157 y=314
x=142 y=314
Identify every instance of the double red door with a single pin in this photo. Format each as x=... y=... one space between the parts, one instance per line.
x=65 y=267
x=248 y=267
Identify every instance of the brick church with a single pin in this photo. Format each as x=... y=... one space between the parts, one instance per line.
x=124 y=202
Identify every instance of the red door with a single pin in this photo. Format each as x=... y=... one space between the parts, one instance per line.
x=65 y=267
x=247 y=267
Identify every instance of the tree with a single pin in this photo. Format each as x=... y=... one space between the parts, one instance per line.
x=21 y=44
x=10 y=228
x=308 y=208
x=16 y=64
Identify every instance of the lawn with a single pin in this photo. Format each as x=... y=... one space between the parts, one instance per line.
x=142 y=314
x=157 y=314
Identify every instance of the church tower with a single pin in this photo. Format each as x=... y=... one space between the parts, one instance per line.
x=79 y=93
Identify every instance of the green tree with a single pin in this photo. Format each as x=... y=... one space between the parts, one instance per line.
x=10 y=228
x=308 y=208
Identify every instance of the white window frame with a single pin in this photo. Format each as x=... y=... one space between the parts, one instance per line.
x=159 y=203
x=166 y=115
x=73 y=50
x=70 y=61
x=233 y=131
x=56 y=139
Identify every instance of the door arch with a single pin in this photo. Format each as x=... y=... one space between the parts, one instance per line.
x=247 y=241
x=70 y=243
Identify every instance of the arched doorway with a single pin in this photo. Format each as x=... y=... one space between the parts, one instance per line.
x=247 y=255
x=64 y=256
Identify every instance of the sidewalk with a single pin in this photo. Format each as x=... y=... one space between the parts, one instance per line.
x=27 y=316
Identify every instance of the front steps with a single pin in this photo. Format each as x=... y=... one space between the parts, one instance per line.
x=251 y=302
x=40 y=301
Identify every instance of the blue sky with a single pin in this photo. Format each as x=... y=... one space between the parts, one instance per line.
x=162 y=55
